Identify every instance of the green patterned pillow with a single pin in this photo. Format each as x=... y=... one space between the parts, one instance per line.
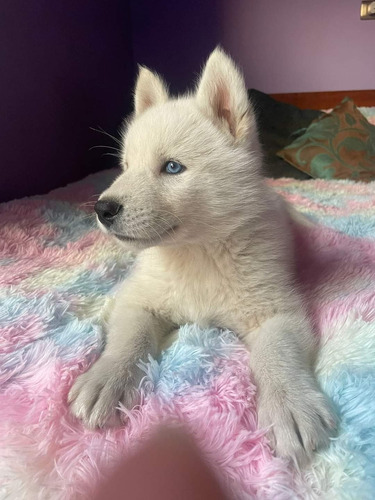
x=338 y=145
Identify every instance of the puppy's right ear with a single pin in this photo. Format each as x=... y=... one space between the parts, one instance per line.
x=149 y=90
x=222 y=96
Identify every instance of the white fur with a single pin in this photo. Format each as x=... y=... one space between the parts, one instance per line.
x=215 y=248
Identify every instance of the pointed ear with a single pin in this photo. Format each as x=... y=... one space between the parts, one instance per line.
x=222 y=95
x=149 y=90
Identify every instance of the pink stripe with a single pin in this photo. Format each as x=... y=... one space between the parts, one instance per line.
x=349 y=208
x=26 y=329
x=32 y=258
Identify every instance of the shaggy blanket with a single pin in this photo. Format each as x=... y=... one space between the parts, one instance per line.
x=57 y=270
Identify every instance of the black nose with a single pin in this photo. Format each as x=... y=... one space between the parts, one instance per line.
x=107 y=211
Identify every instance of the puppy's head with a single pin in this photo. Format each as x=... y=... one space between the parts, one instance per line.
x=190 y=165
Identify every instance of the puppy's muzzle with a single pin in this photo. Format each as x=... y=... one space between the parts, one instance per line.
x=107 y=211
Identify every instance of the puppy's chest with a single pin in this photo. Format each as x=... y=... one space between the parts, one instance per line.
x=197 y=297
x=203 y=291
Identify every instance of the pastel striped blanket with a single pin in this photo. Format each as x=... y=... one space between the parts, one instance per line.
x=57 y=272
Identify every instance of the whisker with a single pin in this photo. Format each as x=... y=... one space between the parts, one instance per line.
x=111 y=154
x=144 y=231
x=159 y=236
x=92 y=202
x=104 y=146
x=211 y=226
x=101 y=131
x=170 y=213
x=165 y=221
x=147 y=233
x=88 y=202
x=87 y=205
x=170 y=228
x=96 y=195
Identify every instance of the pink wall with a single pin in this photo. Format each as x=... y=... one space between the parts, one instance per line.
x=300 y=45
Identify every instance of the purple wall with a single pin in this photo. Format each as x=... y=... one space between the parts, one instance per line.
x=65 y=67
x=175 y=37
x=68 y=66
x=300 y=46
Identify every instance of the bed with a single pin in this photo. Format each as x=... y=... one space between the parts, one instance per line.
x=57 y=272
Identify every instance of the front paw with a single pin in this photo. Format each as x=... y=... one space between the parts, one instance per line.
x=299 y=419
x=95 y=395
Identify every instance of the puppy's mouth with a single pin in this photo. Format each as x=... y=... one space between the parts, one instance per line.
x=150 y=239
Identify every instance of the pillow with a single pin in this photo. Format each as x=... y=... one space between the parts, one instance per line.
x=278 y=125
x=338 y=145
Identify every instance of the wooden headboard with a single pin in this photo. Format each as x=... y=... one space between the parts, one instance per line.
x=326 y=100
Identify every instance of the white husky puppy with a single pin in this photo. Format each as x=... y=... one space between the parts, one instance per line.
x=215 y=248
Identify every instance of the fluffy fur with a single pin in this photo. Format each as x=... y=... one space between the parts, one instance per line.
x=215 y=248
x=58 y=270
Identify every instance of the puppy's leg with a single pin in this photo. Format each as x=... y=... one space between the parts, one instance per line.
x=289 y=399
x=133 y=333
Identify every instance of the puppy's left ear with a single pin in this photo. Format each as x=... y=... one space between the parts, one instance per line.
x=222 y=95
x=149 y=90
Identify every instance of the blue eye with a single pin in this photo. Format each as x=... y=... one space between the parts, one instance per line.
x=172 y=167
